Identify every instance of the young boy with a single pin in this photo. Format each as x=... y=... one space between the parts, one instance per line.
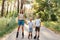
x=37 y=28
x=30 y=28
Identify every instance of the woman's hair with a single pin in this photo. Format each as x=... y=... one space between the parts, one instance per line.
x=21 y=11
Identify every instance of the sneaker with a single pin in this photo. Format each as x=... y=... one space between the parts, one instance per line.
x=28 y=37
x=38 y=37
x=34 y=37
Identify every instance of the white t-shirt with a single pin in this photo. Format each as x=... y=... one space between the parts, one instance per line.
x=21 y=16
x=37 y=22
x=30 y=24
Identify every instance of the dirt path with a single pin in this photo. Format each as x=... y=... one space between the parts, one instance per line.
x=45 y=34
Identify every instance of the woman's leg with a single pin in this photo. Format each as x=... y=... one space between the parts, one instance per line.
x=18 y=29
x=22 y=32
x=22 y=28
x=17 y=32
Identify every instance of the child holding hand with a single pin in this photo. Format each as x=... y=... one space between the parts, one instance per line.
x=30 y=24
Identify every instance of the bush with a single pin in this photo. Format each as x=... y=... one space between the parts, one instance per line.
x=53 y=17
x=7 y=25
x=55 y=26
x=46 y=24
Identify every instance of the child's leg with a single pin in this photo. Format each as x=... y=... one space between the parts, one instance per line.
x=35 y=35
x=38 y=32
x=28 y=35
x=35 y=32
x=31 y=34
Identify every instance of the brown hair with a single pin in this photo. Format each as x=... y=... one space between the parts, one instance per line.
x=21 y=11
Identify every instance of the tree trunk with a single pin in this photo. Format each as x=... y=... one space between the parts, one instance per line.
x=21 y=4
x=2 y=10
x=7 y=8
x=18 y=6
x=10 y=7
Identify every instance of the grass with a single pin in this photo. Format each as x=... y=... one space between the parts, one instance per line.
x=7 y=25
x=54 y=26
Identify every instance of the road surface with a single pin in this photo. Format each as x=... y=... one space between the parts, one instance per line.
x=45 y=34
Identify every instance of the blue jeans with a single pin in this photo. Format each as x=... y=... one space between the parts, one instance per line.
x=21 y=22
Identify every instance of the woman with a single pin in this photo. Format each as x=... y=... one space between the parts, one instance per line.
x=20 y=23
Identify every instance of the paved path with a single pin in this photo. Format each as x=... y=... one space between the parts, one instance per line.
x=45 y=34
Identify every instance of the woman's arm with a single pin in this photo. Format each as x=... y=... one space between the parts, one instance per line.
x=18 y=16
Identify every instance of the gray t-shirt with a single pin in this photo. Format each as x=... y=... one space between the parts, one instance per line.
x=30 y=24
x=37 y=22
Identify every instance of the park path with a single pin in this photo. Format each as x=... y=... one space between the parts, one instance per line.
x=45 y=34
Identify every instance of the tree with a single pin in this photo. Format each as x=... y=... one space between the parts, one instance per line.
x=49 y=8
x=17 y=6
x=2 y=10
x=7 y=7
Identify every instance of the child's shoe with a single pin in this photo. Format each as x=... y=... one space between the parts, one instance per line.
x=34 y=37
x=31 y=36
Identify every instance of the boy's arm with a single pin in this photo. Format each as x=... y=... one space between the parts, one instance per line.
x=34 y=25
x=40 y=23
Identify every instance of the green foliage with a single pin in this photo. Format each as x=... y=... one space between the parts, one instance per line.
x=11 y=14
x=55 y=26
x=53 y=17
x=7 y=25
x=49 y=11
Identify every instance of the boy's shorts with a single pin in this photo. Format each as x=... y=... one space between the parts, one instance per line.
x=37 y=29
x=30 y=29
x=21 y=22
